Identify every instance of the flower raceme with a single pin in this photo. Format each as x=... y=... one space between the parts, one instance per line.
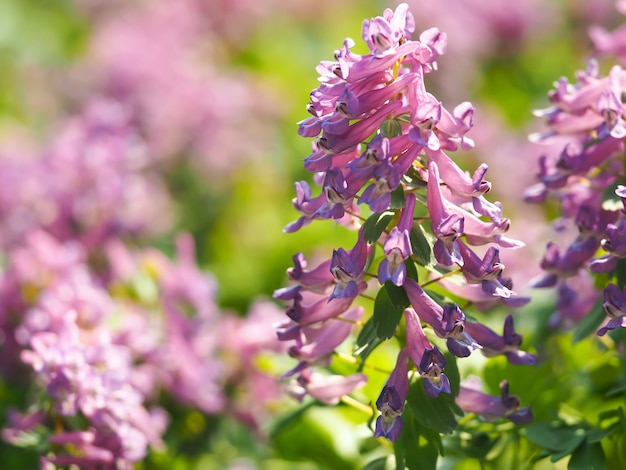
x=382 y=141
x=587 y=175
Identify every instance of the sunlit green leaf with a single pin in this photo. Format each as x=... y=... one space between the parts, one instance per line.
x=375 y=225
x=420 y=244
x=438 y=414
x=391 y=128
x=388 y=309
x=367 y=341
x=397 y=198
x=587 y=457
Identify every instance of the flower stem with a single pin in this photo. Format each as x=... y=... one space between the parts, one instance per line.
x=443 y=276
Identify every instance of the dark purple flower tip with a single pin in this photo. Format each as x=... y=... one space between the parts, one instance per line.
x=614 y=303
x=522 y=416
x=521 y=358
x=388 y=427
x=433 y=389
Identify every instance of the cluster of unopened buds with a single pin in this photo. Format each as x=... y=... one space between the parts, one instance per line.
x=381 y=141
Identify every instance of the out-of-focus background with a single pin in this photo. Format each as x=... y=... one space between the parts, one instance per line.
x=207 y=94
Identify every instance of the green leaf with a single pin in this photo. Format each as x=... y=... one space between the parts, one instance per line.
x=437 y=414
x=452 y=372
x=375 y=225
x=413 y=180
x=421 y=246
x=397 y=198
x=391 y=128
x=590 y=322
x=559 y=439
x=587 y=457
x=411 y=270
x=388 y=309
x=416 y=449
x=378 y=464
x=366 y=342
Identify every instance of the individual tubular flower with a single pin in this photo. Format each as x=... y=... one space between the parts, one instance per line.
x=447 y=226
x=347 y=269
x=428 y=359
x=508 y=344
x=486 y=272
x=391 y=400
x=614 y=245
x=397 y=247
x=472 y=400
x=614 y=305
x=326 y=388
x=448 y=322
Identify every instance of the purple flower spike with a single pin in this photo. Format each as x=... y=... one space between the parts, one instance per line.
x=390 y=403
x=398 y=246
x=472 y=400
x=615 y=307
x=507 y=344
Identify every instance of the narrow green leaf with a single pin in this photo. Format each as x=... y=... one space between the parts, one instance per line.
x=366 y=342
x=375 y=225
x=421 y=246
x=590 y=322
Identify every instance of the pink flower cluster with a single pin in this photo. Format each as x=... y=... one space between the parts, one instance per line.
x=382 y=140
x=586 y=120
x=96 y=328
